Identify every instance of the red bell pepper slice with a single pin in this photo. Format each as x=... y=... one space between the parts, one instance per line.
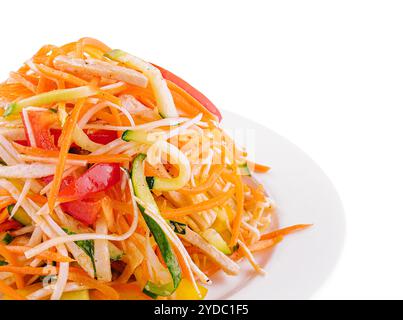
x=191 y=90
x=103 y=136
x=10 y=225
x=41 y=122
x=85 y=210
x=99 y=177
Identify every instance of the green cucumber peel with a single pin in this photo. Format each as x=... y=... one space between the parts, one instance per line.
x=142 y=191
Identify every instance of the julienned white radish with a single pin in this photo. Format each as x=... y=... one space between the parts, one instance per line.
x=27 y=171
x=101 y=69
x=101 y=252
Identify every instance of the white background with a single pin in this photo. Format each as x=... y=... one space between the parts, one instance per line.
x=328 y=75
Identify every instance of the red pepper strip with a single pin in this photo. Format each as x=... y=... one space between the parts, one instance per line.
x=40 y=122
x=99 y=177
x=191 y=90
x=85 y=210
x=103 y=136
x=10 y=225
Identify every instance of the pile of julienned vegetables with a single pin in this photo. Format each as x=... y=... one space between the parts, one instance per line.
x=116 y=182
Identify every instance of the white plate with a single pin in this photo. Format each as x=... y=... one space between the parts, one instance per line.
x=301 y=263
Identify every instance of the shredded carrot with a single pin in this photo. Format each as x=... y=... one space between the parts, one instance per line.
x=109 y=97
x=28 y=270
x=201 y=206
x=56 y=75
x=4 y=192
x=285 y=231
x=187 y=103
x=4 y=215
x=10 y=292
x=37 y=198
x=95 y=43
x=265 y=244
x=211 y=180
x=66 y=139
x=259 y=168
x=19 y=78
x=246 y=252
x=240 y=199
x=47 y=255
x=105 y=116
x=6 y=202
x=78 y=276
x=13 y=261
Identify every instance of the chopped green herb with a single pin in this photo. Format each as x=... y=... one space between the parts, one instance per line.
x=3 y=263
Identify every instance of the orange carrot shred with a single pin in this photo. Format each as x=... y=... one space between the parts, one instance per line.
x=10 y=292
x=66 y=140
x=285 y=231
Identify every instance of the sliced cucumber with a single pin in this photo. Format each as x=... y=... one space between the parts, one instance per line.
x=143 y=192
x=76 y=295
x=244 y=170
x=165 y=103
x=21 y=216
x=50 y=97
x=215 y=239
x=114 y=252
x=139 y=136
x=164 y=184
x=6 y=238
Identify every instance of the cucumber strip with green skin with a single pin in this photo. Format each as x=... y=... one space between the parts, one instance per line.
x=215 y=239
x=142 y=191
x=7 y=238
x=166 y=184
x=115 y=253
x=50 y=97
x=244 y=170
x=21 y=216
x=165 y=103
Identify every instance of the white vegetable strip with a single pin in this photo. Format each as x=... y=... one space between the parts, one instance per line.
x=22 y=231
x=72 y=162
x=184 y=126
x=101 y=253
x=8 y=147
x=24 y=191
x=28 y=127
x=163 y=96
x=220 y=258
x=27 y=171
x=62 y=277
x=36 y=237
x=85 y=236
x=6 y=157
x=176 y=157
x=132 y=104
x=90 y=113
x=13 y=133
x=46 y=291
x=250 y=257
x=82 y=140
x=101 y=69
